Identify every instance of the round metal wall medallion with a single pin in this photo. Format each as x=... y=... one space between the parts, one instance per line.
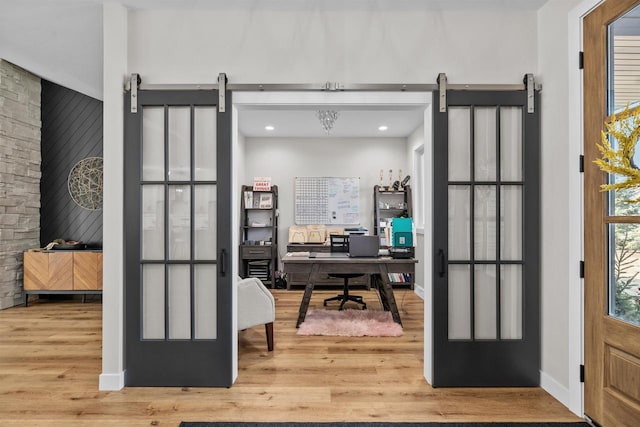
x=85 y=183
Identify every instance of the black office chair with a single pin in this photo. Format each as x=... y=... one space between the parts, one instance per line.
x=340 y=243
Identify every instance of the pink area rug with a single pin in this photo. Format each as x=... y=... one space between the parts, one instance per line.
x=350 y=323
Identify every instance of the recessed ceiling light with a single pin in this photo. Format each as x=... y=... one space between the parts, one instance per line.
x=269 y=127
x=383 y=128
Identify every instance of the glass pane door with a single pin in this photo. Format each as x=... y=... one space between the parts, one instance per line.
x=177 y=189
x=486 y=222
x=611 y=42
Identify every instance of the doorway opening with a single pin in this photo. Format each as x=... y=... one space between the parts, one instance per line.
x=294 y=144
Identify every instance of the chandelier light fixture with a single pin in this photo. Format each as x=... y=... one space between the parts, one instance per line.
x=327 y=119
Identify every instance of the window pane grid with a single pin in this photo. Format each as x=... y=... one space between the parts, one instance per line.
x=184 y=280
x=491 y=204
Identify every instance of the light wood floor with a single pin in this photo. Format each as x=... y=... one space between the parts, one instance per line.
x=50 y=359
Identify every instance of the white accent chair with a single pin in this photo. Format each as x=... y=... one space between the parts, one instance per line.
x=256 y=306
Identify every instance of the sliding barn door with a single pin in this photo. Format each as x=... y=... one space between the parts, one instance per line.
x=177 y=240
x=486 y=240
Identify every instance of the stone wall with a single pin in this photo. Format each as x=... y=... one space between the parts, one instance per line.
x=20 y=160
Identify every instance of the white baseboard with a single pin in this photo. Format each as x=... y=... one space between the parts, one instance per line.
x=555 y=389
x=111 y=382
x=419 y=290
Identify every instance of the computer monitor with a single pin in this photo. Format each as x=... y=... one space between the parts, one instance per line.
x=364 y=246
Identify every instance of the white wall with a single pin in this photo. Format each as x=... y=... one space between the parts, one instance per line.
x=115 y=54
x=559 y=270
x=313 y=42
x=237 y=161
x=415 y=140
x=284 y=159
x=240 y=160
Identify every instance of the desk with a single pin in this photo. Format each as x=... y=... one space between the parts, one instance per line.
x=295 y=280
x=323 y=263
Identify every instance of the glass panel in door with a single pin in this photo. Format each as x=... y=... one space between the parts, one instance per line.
x=624 y=223
x=483 y=245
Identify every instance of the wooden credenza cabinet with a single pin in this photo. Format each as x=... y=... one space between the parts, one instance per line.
x=64 y=272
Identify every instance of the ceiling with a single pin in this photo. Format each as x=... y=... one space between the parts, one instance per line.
x=67 y=50
x=355 y=122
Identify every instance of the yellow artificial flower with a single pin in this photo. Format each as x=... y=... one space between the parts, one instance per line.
x=624 y=128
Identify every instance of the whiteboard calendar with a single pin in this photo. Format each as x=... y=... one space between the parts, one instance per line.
x=327 y=200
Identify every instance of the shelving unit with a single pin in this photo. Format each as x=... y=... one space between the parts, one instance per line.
x=259 y=234
x=389 y=204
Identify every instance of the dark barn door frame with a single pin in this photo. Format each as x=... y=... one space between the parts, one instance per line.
x=487 y=240
x=178 y=315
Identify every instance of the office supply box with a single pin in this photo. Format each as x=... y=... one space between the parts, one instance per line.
x=402 y=232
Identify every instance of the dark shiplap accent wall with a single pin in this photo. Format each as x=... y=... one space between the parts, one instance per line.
x=71 y=131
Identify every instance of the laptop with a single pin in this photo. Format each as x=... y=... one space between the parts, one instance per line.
x=364 y=246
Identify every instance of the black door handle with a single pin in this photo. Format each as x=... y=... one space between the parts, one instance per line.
x=441 y=268
x=223 y=262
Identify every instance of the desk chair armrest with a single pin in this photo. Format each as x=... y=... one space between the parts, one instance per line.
x=256 y=305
